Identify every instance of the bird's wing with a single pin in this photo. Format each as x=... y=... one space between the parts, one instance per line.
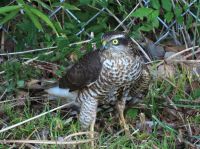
x=140 y=87
x=82 y=73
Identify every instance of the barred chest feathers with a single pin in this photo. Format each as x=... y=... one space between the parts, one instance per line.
x=116 y=72
x=122 y=70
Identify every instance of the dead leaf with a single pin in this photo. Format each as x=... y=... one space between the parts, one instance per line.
x=172 y=47
x=73 y=57
x=21 y=98
x=166 y=71
x=33 y=84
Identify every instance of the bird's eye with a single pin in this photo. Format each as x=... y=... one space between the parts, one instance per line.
x=115 y=42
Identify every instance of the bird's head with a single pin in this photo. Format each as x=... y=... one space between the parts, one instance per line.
x=115 y=41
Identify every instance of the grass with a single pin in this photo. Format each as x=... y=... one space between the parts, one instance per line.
x=168 y=117
x=164 y=132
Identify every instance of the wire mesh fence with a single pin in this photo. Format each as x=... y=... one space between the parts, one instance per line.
x=124 y=21
x=92 y=20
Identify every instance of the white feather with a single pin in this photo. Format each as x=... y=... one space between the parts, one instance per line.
x=60 y=92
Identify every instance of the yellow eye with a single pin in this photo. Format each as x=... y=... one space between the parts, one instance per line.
x=115 y=41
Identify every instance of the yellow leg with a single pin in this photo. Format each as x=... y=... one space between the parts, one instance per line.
x=120 y=108
x=92 y=134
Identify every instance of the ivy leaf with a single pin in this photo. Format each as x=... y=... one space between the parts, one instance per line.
x=155 y=4
x=103 y=3
x=178 y=11
x=189 y=22
x=146 y=27
x=153 y=15
x=168 y=16
x=142 y=12
x=180 y=19
x=155 y=23
x=167 y=5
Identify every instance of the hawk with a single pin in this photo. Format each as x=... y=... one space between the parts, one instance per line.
x=114 y=73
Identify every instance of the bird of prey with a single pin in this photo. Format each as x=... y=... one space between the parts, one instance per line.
x=114 y=73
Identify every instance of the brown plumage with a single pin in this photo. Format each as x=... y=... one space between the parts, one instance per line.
x=113 y=74
x=83 y=72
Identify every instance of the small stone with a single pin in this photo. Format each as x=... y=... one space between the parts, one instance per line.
x=166 y=71
x=169 y=54
x=154 y=51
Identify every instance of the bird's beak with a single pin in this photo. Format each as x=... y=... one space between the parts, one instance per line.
x=104 y=45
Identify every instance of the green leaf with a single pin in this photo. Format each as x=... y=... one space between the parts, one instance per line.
x=43 y=4
x=62 y=42
x=155 y=23
x=189 y=22
x=21 y=2
x=153 y=15
x=56 y=4
x=103 y=3
x=146 y=27
x=169 y=16
x=167 y=5
x=60 y=71
x=44 y=18
x=70 y=7
x=9 y=8
x=142 y=12
x=164 y=125
x=155 y=4
x=20 y=83
x=132 y=113
x=58 y=26
x=85 y=2
x=178 y=11
x=180 y=19
x=33 y=18
x=9 y=16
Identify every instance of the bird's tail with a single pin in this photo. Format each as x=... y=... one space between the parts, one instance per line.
x=61 y=92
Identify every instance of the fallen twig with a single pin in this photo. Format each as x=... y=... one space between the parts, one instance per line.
x=176 y=54
x=27 y=51
x=35 y=117
x=48 y=141
x=127 y=16
x=141 y=49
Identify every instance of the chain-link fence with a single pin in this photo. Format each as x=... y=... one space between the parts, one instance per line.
x=125 y=22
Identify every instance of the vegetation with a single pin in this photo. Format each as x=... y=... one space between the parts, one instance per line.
x=39 y=39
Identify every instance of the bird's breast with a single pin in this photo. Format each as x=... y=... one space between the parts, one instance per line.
x=122 y=70
x=115 y=73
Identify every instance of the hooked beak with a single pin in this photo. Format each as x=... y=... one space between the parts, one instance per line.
x=104 y=45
